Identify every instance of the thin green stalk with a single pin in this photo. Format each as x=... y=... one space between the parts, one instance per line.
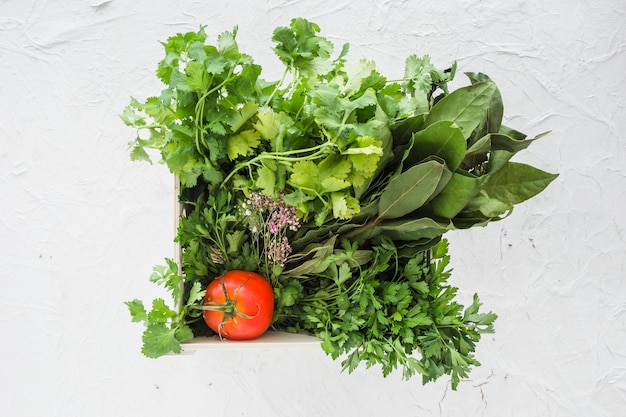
x=281 y=156
x=278 y=85
x=199 y=122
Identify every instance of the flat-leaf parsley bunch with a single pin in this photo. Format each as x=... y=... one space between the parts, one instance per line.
x=337 y=184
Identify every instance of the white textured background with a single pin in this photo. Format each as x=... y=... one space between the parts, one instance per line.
x=81 y=226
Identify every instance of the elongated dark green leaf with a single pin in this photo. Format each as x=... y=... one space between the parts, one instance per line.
x=445 y=177
x=419 y=231
x=456 y=195
x=467 y=107
x=404 y=129
x=515 y=134
x=517 y=182
x=493 y=121
x=409 y=249
x=410 y=190
x=512 y=184
x=468 y=219
x=477 y=153
x=507 y=143
x=498 y=159
x=412 y=229
x=490 y=207
x=443 y=139
x=316 y=264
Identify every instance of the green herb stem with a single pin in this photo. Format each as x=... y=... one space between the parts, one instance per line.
x=288 y=69
x=319 y=151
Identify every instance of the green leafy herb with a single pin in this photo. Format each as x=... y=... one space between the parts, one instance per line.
x=396 y=313
x=166 y=326
x=335 y=182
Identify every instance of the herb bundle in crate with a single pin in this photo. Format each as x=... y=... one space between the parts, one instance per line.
x=334 y=185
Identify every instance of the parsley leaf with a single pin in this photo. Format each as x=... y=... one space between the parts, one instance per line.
x=393 y=312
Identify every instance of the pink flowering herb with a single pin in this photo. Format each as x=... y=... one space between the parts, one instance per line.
x=269 y=220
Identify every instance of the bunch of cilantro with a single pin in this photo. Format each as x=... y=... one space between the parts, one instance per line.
x=376 y=169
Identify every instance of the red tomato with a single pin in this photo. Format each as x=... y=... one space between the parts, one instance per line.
x=239 y=305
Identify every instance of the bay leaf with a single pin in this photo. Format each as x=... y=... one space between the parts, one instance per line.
x=507 y=143
x=457 y=193
x=477 y=153
x=419 y=230
x=442 y=139
x=495 y=112
x=467 y=106
x=511 y=184
x=404 y=129
x=410 y=190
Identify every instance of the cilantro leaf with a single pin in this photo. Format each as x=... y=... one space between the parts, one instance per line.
x=196 y=293
x=344 y=206
x=422 y=78
x=270 y=123
x=300 y=47
x=167 y=276
x=197 y=77
x=160 y=312
x=243 y=143
x=137 y=311
x=266 y=180
x=243 y=115
x=158 y=340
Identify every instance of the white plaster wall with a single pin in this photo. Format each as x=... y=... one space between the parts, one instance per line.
x=81 y=226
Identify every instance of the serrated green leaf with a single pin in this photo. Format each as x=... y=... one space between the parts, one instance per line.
x=227 y=44
x=131 y=115
x=298 y=45
x=167 y=276
x=288 y=295
x=180 y=157
x=241 y=116
x=335 y=166
x=138 y=153
x=472 y=315
x=159 y=340
x=344 y=205
x=183 y=333
x=137 y=311
x=266 y=180
x=269 y=123
x=420 y=76
x=242 y=144
x=197 y=77
x=332 y=184
x=360 y=74
x=305 y=175
x=196 y=293
x=160 y=312
x=245 y=82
